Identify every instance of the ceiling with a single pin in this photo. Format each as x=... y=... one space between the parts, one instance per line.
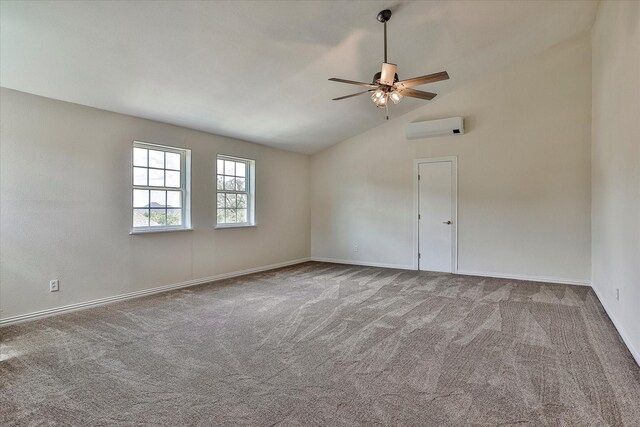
x=258 y=70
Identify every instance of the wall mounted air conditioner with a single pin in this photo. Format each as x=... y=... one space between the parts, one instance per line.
x=450 y=126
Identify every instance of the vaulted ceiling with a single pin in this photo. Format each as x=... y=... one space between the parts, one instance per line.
x=258 y=70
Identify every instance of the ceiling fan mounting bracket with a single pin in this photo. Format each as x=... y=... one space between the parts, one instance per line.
x=384 y=16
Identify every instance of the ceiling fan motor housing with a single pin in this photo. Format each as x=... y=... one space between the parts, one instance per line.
x=388 y=75
x=378 y=75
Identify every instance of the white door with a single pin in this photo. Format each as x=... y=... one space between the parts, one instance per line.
x=436 y=213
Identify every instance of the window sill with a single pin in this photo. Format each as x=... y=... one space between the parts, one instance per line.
x=166 y=230
x=223 y=226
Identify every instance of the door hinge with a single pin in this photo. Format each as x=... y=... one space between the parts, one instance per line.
x=418 y=216
x=418 y=177
x=418 y=255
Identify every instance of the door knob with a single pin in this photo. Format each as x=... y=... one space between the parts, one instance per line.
x=447 y=222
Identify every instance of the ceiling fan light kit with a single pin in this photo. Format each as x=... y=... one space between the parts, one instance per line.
x=386 y=86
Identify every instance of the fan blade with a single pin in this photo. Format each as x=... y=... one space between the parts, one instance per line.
x=387 y=76
x=417 y=94
x=417 y=81
x=351 y=82
x=353 y=94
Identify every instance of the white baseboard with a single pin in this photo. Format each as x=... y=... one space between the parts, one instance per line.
x=545 y=279
x=130 y=295
x=364 y=263
x=634 y=352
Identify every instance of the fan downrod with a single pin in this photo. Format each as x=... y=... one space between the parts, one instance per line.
x=384 y=16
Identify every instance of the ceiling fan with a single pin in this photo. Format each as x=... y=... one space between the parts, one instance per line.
x=386 y=86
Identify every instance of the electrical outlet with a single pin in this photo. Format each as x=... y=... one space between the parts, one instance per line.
x=54 y=285
x=617 y=294
x=355 y=248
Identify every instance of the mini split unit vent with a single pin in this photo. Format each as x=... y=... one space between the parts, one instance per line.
x=450 y=126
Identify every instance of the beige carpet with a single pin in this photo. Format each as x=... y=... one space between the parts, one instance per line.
x=327 y=345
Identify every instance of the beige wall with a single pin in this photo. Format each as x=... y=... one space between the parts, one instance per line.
x=65 y=207
x=616 y=165
x=523 y=175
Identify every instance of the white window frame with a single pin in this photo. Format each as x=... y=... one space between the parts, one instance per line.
x=185 y=187
x=250 y=191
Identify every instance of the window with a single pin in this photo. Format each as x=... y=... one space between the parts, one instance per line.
x=235 y=192
x=160 y=188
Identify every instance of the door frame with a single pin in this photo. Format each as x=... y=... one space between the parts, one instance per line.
x=454 y=208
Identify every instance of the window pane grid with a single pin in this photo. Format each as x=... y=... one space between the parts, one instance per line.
x=234 y=197
x=158 y=187
x=231 y=183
